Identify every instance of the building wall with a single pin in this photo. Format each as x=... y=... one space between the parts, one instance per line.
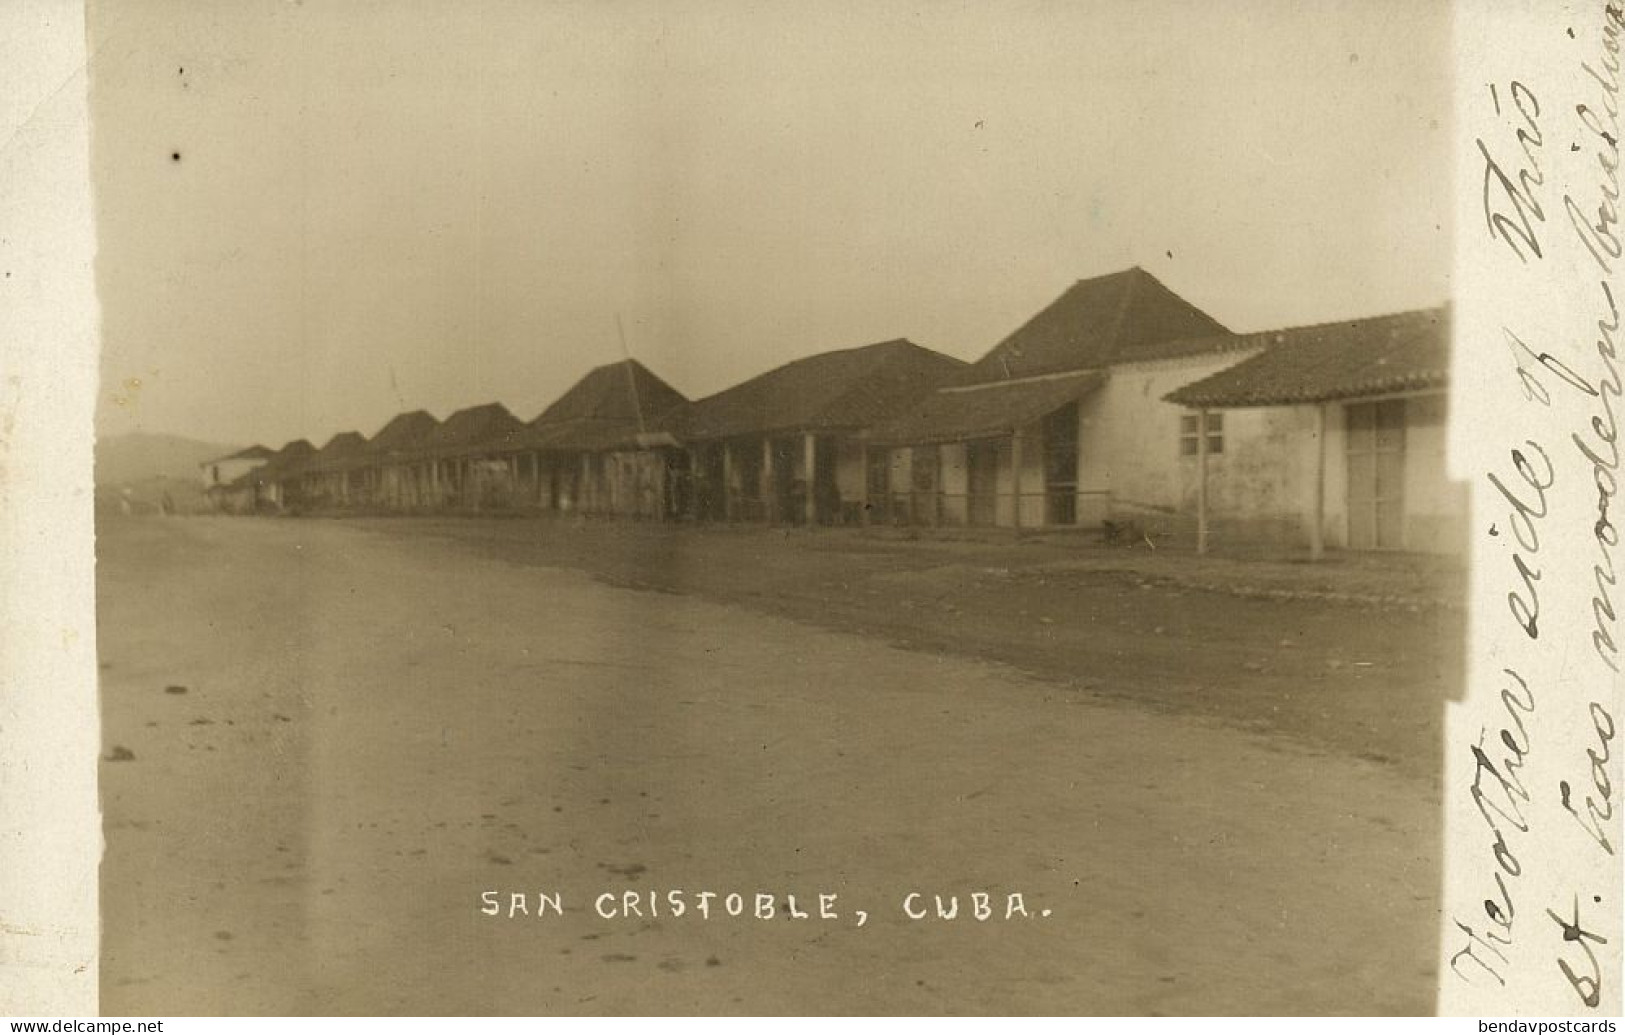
x=1262 y=488
x=798 y=458
x=850 y=470
x=955 y=481
x=1435 y=507
x=1130 y=469
x=895 y=507
x=1336 y=527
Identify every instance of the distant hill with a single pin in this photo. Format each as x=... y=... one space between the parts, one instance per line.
x=140 y=457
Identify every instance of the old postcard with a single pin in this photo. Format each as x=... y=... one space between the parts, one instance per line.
x=1099 y=508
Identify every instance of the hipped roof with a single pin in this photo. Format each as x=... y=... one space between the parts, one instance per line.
x=846 y=389
x=287 y=461
x=1380 y=355
x=1095 y=323
x=338 y=453
x=607 y=409
x=403 y=433
x=988 y=410
x=476 y=429
x=616 y=391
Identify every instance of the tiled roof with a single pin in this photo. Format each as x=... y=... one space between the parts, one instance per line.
x=1094 y=323
x=1378 y=355
x=987 y=410
x=477 y=429
x=618 y=391
x=607 y=409
x=341 y=451
x=284 y=463
x=846 y=389
x=404 y=433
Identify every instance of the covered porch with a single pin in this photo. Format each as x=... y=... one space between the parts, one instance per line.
x=782 y=478
x=998 y=454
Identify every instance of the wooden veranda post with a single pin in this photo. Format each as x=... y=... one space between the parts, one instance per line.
x=727 y=481
x=1317 y=518
x=764 y=483
x=695 y=481
x=1015 y=478
x=811 y=502
x=1201 y=481
x=863 y=482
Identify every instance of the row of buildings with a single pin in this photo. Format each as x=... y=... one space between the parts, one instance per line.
x=1120 y=407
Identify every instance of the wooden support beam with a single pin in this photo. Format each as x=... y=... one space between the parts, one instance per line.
x=727 y=481
x=1015 y=478
x=1201 y=481
x=811 y=502
x=1317 y=517
x=863 y=483
x=765 y=485
x=695 y=482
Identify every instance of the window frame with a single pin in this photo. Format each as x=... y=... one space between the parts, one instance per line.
x=1191 y=427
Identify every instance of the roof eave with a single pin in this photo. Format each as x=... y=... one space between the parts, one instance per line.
x=1432 y=382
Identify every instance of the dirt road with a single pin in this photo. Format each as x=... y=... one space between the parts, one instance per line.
x=343 y=735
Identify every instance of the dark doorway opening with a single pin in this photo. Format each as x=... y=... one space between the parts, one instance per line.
x=982 y=482
x=1061 y=466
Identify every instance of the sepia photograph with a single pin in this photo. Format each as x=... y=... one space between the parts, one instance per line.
x=764 y=508
x=645 y=508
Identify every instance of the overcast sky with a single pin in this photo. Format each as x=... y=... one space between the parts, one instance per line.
x=387 y=206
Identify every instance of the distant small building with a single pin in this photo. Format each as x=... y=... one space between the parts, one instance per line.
x=223 y=470
x=275 y=485
x=223 y=475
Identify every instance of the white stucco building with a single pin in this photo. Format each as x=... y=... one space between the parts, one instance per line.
x=1122 y=407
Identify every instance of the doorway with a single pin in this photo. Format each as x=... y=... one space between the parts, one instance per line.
x=1376 y=473
x=1061 y=466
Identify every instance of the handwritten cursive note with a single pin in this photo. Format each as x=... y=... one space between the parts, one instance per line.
x=1533 y=917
